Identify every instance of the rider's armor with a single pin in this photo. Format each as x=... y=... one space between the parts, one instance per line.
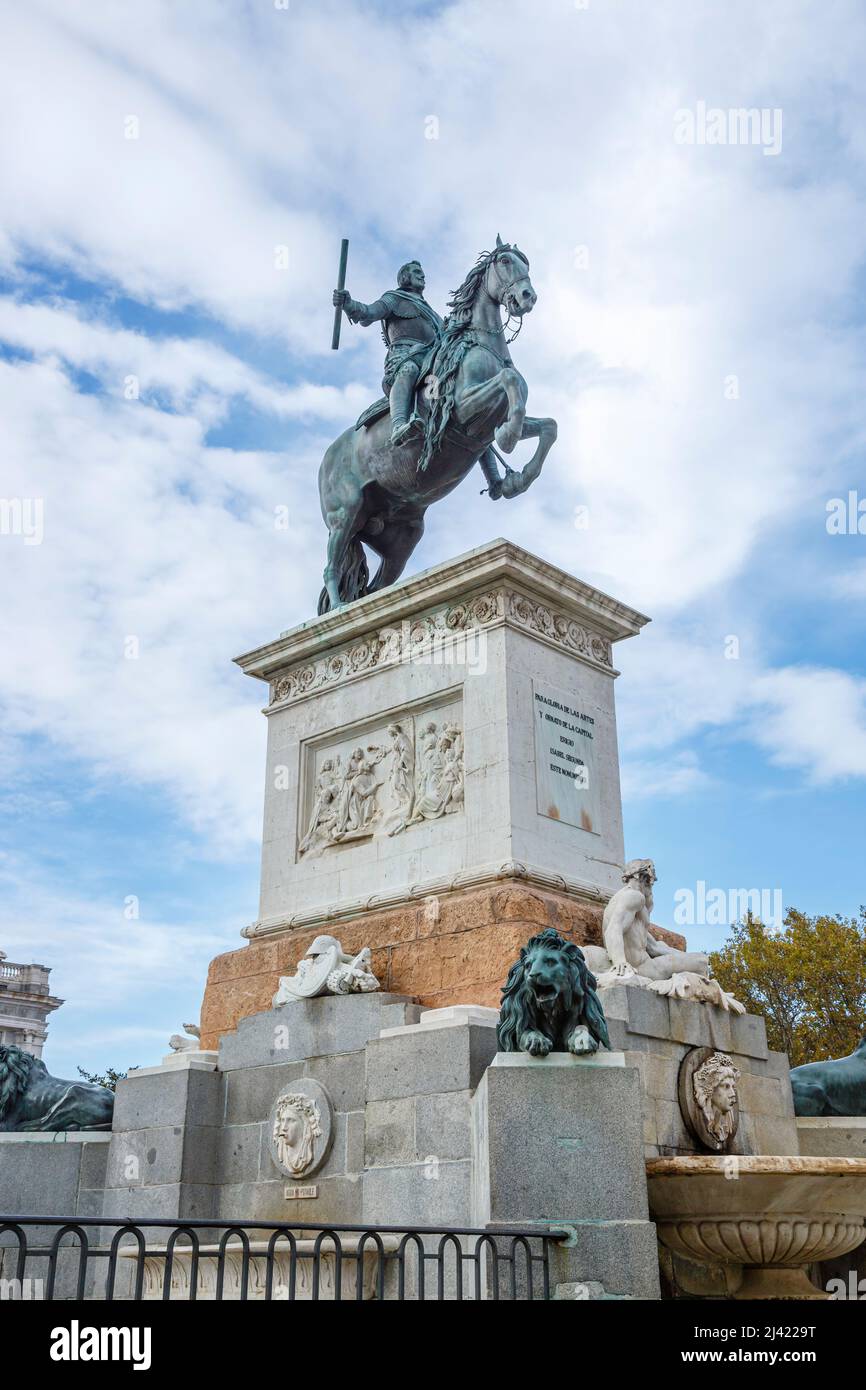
x=409 y=327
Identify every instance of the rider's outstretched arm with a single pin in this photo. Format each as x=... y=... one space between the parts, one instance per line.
x=365 y=314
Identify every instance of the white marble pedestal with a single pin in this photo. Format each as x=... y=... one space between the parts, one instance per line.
x=453 y=729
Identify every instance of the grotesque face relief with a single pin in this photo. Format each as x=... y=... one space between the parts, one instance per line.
x=715 y=1085
x=297 y=1126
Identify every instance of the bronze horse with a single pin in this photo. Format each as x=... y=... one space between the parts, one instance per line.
x=376 y=494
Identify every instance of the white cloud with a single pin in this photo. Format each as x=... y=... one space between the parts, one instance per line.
x=660 y=778
x=812 y=720
x=850 y=583
x=808 y=719
x=151 y=536
x=261 y=128
x=196 y=375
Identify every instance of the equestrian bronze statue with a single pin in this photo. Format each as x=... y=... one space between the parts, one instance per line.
x=452 y=392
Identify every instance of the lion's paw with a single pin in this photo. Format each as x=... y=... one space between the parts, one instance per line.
x=582 y=1042
x=536 y=1044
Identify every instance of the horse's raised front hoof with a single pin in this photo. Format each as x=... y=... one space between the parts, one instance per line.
x=512 y=483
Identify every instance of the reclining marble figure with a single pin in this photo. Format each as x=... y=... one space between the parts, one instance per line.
x=327 y=969
x=633 y=956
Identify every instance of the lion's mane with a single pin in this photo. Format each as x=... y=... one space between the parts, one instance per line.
x=15 y=1071
x=519 y=1011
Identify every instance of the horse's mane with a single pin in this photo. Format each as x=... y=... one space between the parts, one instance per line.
x=15 y=1069
x=453 y=347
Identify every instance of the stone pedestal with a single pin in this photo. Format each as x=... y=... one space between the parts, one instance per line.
x=161 y=1161
x=842 y=1136
x=656 y=1035
x=837 y=1136
x=192 y=1138
x=442 y=759
x=418 y=1144
x=558 y=1141
x=451 y=949
x=51 y=1174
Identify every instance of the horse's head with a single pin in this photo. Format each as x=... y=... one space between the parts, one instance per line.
x=507 y=280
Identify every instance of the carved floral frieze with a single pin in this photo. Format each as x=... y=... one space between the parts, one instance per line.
x=559 y=628
x=418 y=638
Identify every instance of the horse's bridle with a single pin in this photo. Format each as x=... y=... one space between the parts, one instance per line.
x=497 y=254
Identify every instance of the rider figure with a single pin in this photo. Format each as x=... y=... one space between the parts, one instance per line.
x=410 y=327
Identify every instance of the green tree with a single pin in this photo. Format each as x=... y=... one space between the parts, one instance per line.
x=109 y=1080
x=808 y=980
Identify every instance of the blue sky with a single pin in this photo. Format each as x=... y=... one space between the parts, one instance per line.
x=699 y=336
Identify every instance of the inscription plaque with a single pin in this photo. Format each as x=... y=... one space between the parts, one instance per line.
x=565 y=764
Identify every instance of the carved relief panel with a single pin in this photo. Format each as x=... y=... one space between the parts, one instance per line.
x=394 y=774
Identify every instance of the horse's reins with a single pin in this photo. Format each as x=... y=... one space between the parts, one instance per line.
x=505 y=289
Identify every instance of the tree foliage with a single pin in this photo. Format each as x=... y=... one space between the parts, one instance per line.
x=109 y=1080
x=808 y=980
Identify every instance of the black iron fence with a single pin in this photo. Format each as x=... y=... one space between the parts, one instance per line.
x=56 y=1257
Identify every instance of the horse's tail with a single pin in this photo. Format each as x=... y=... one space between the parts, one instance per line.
x=354 y=577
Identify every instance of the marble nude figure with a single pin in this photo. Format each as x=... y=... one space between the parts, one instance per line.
x=633 y=956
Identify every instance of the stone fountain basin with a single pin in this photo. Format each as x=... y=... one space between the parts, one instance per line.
x=772 y=1214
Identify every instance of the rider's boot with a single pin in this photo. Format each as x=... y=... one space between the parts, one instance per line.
x=404 y=426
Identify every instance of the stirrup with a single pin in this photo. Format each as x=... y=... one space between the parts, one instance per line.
x=409 y=430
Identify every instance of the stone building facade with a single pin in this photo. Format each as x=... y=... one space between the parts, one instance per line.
x=25 y=1003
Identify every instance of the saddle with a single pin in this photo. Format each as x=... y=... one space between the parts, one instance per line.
x=381 y=407
x=421 y=405
x=373 y=413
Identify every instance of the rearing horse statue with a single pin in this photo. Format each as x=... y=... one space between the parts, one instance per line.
x=470 y=394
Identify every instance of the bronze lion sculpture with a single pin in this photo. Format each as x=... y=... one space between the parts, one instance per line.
x=831 y=1088
x=549 y=1001
x=31 y=1099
